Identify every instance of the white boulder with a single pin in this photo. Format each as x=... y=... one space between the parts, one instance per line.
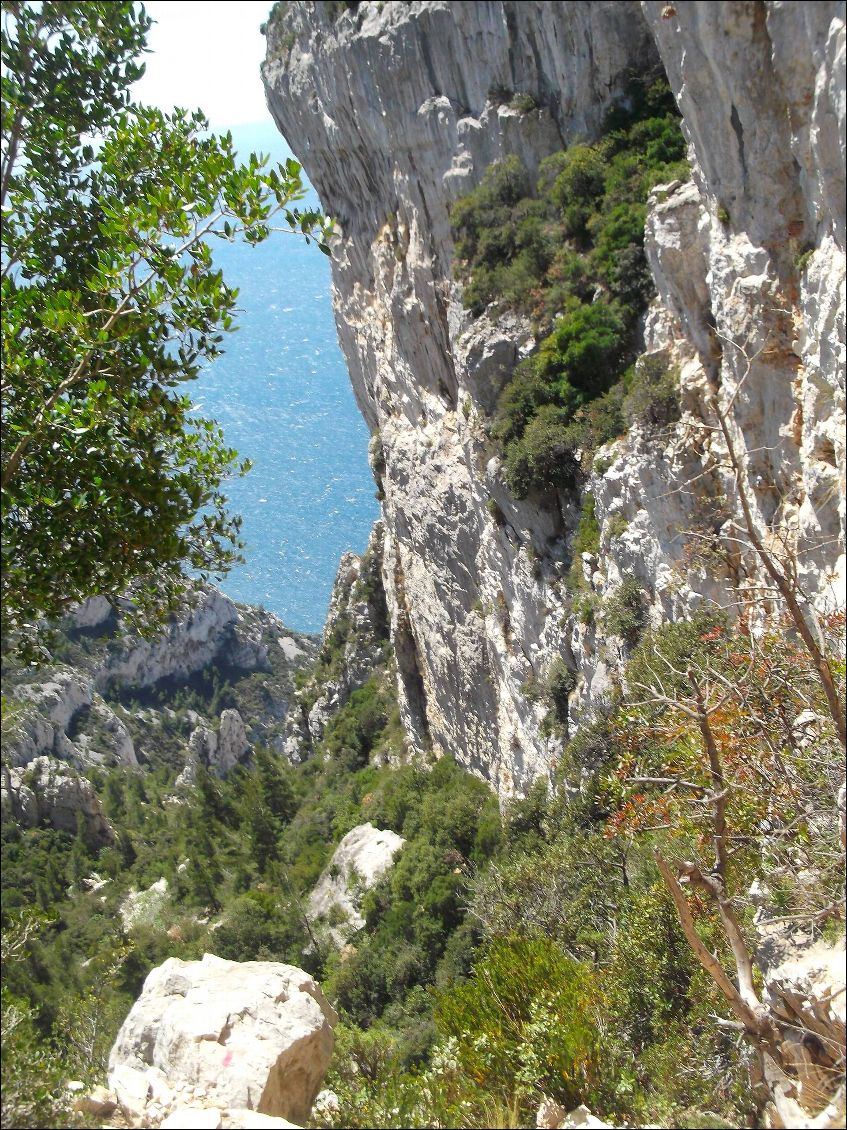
x=362 y=857
x=254 y=1035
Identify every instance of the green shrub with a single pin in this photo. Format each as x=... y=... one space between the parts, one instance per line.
x=499 y=95
x=578 y=185
x=683 y=643
x=622 y=227
x=34 y=1071
x=572 y=256
x=617 y=526
x=258 y=928
x=522 y=1023
x=587 y=536
x=568 y=886
x=652 y=397
x=803 y=258
x=493 y=508
x=586 y=540
x=521 y=399
x=544 y=458
x=599 y=421
x=584 y=607
x=601 y=465
x=531 y=689
x=525 y=819
x=356 y=729
x=625 y=612
x=523 y=103
x=483 y=221
x=580 y=356
x=376 y=450
x=561 y=682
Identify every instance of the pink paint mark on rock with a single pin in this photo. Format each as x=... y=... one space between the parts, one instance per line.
x=227 y=1059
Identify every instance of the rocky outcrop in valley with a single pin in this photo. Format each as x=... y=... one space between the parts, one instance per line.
x=362 y=857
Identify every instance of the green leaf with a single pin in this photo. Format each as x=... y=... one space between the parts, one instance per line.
x=115 y=470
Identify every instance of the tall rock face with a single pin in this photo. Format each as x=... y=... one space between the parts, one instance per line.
x=396 y=110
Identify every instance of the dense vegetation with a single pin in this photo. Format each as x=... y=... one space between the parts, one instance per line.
x=504 y=958
x=248 y=850
x=501 y=960
x=569 y=252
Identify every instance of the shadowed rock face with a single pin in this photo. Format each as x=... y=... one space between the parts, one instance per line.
x=391 y=110
x=254 y=1035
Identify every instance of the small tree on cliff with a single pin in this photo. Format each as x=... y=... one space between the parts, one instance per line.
x=110 y=302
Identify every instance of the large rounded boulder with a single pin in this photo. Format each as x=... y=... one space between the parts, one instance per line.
x=254 y=1035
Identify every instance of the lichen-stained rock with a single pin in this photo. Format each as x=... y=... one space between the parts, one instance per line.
x=362 y=858
x=252 y=1035
x=95 y=612
x=58 y=699
x=232 y=742
x=48 y=791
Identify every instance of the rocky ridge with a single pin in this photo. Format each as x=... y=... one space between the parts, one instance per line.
x=353 y=647
x=84 y=711
x=392 y=110
x=94 y=657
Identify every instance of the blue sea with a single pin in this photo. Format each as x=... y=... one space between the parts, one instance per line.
x=283 y=398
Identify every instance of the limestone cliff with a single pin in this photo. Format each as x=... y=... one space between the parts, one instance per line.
x=394 y=111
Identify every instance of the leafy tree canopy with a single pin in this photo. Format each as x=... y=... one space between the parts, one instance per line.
x=111 y=302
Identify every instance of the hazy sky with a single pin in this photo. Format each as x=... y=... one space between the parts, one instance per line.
x=206 y=56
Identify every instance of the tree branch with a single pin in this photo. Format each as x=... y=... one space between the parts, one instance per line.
x=743 y=1002
x=782 y=582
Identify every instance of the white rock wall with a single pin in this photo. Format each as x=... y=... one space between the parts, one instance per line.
x=388 y=109
x=761 y=90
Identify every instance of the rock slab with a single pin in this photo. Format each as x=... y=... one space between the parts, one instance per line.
x=254 y=1035
x=359 y=861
